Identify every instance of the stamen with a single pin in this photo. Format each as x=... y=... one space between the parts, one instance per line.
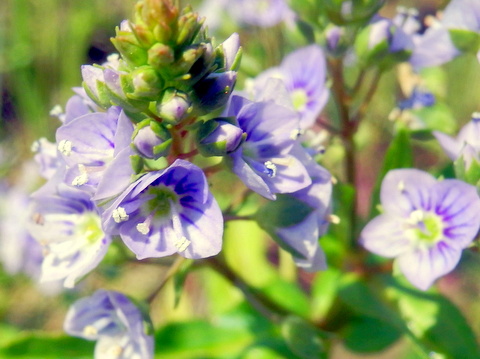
x=143 y=228
x=38 y=219
x=417 y=216
x=35 y=146
x=115 y=352
x=56 y=111
x=82 y=178
x=182 y=244
x=270 y=169
x=119 y=215
x=401 y=186
x=296 y=133
x=334 y=219
x=90 y=330
x=65 y=147
x=476 y=116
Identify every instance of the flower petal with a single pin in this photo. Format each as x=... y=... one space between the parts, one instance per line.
x=385 y=235
x=422 y=267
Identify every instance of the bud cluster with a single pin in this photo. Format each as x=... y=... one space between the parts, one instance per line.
x=168 y=66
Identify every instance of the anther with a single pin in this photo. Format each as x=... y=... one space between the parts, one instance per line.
x=119 y=215
x=334 y=219
x=270 y=169
x=90 y=330
x=82 y=178
x=182 y=244
x=65 y=147
x=143 y=228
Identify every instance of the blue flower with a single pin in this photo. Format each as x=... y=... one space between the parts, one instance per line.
x=118 y=326
x=425 y=224
x=89 y=143
x=435 y=46
x=67 y=224
x=167 y=212
x=302 y=217
x=263 y=161
x=305 y=84
x=465 y=145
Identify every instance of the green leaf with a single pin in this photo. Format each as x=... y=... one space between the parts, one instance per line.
x=199 y=338
x=303 y=338
x=364 y=302
x=436 y=322
x=438 y=117
x=399 y=155
x=465 y=40
x=368 y=335
x=324 y=291
x=287 y=295
x=47 y=346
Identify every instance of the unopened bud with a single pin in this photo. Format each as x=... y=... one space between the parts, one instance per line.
x=174 y=107
x=214 y=90
x=145 y=83
x=152 y=140
x=218 y=137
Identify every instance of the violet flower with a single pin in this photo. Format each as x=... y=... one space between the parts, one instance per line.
x=90 y=142
x=466 y=144
x=115 y=322
x=425 y=224
x=263 y=161
x=303 y=237
x=67 y=224
x=435 y=47
x=166 y=212
x=305 y=84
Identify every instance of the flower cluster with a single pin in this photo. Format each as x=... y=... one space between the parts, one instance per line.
x=135 y=150
x=137 y=155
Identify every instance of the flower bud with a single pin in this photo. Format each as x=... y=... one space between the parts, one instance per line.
x=174 y=107
x=189 y=25
x=160 y=55
x=383 y=44
x=145 y=83
x=214 y=90
x=151 y=139
x=131 y=50
x=218 y=137
x=93 y=83
x=228 y=54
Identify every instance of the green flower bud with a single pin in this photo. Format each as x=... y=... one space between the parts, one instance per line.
x=160 y=55
x=189 y=25
x=146 y=83
x=128 y=46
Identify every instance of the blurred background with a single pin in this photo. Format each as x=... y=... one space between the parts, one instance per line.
x=43 y=43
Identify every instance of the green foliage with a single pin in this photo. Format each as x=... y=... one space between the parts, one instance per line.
x=303 y=339
x=436 y=322
x=36 y=345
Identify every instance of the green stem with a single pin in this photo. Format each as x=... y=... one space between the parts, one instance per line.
x=258 y=300
x=170 y=273
x=347 y=132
